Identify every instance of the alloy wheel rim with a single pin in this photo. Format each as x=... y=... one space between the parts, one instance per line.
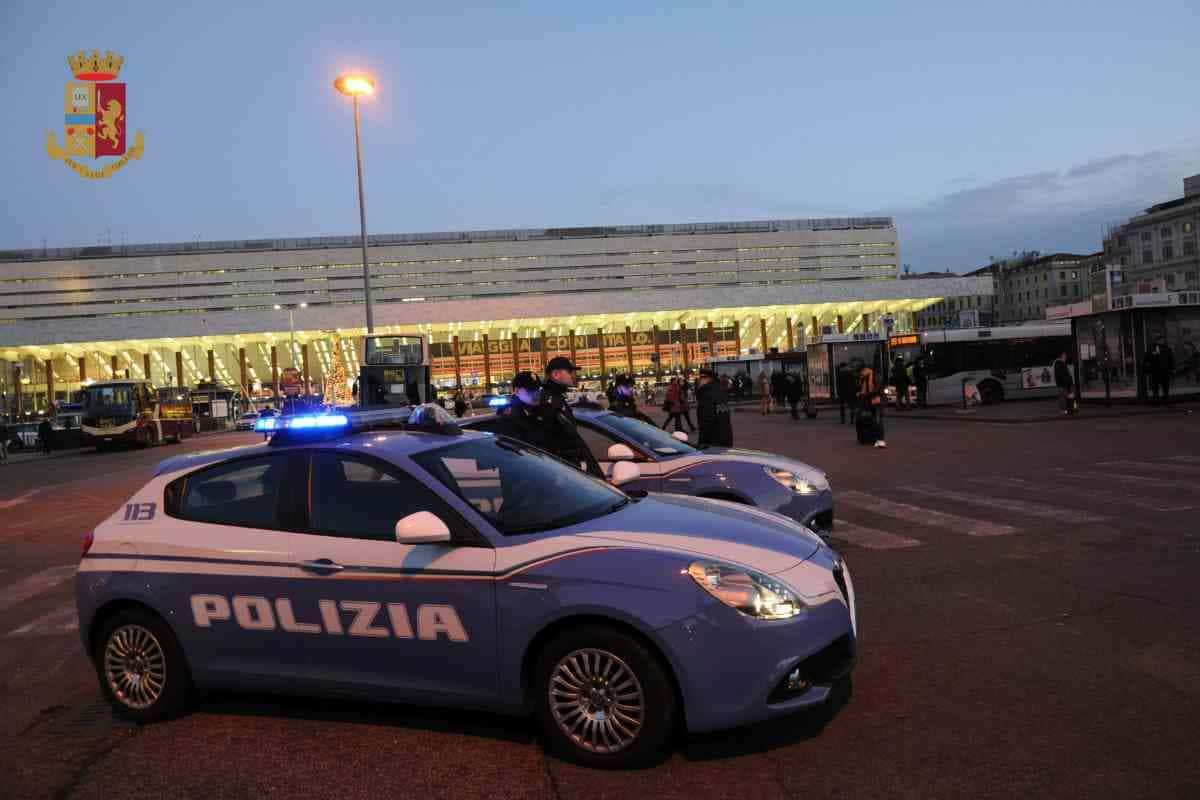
x=597 y=700
x=135 y=666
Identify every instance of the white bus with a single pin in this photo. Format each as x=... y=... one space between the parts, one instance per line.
x=988 y=365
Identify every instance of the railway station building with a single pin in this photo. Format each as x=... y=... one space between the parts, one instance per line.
x=647 y=299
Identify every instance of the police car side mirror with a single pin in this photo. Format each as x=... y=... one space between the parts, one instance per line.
x=422 y=527
x=620 y=452
x=624 y=472
x=680 y=435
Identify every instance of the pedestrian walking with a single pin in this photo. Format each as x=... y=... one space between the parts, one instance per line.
x=900 y=381
x=3 y=440
x=764 y=393
x=847 y=388
x=868 y=421
x=712 y=412
x=460 y=403
x=44 y=431
x=674 y=405
x=1065 y=382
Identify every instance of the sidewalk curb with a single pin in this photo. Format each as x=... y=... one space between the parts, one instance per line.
x=1084 y=413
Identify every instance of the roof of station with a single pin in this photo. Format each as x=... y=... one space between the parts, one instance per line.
x=444 y=237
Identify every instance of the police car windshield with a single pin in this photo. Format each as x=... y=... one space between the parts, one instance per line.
x=648 y=436
x=517 y=488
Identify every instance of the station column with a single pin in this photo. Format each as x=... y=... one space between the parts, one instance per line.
x=274 y=372
x=791 y=340
x=516 y=355
x=457 y=362
x=712 y=340
x=545 y=350
x=737 y=337
x=212 y=364
x=600 y=345
x=115 y=364
x=683 y=345
x=242 y=369
x=303 y=360
x=146 y=365
x=487 y=367
x=762 y=325
x=49 y=364
x=629 y=349
x=82 y=369
x=657 y=356
x=571 y=334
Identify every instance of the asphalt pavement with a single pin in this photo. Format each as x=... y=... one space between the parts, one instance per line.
x=1029 y=626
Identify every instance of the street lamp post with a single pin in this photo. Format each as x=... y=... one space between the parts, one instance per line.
x=291 y=335
x=356 y=85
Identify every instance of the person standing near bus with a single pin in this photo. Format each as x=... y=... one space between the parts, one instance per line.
x=1162 y=368
x=921 y=379
x=900 y=381
x=1065 y=383
x=44 y=431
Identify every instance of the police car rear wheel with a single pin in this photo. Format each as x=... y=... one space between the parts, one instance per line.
x=605 y=700
x=141 y=667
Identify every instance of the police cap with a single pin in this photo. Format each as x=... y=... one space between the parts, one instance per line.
x=560 y=362
x=526 y=380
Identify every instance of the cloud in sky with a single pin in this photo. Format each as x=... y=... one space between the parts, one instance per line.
x=1050 y=211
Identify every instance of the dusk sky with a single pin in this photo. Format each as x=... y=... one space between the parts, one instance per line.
x=982 y=127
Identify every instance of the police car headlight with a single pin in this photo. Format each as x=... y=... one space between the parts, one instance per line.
x=801 y=483
x=752 y=593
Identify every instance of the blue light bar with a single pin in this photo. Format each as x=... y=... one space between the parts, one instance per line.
x=319 y=421
x=496 y=402
x=302 y=422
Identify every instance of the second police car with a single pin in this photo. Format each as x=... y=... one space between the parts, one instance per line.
x=459 y=568
x=669 y=464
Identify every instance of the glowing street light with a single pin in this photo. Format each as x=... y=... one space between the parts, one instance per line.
x=356 y=85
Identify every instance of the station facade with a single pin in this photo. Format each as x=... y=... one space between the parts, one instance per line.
x=649 y=299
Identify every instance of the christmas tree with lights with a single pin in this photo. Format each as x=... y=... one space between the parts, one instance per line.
x=336 y=390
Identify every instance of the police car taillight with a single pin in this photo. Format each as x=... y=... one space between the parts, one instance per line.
x=88 y=538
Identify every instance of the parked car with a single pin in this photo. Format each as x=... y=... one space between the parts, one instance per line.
x=428 y=568
x=246 y=421
x=776 y=483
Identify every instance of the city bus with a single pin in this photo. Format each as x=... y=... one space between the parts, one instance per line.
x=395 y=371
x=134 y=412
x=987 y=365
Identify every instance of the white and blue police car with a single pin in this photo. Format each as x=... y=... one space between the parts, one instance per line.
x=670 y=464
x=436 y=566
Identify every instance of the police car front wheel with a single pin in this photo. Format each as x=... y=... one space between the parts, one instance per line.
x=604 y=699
x=141 y=667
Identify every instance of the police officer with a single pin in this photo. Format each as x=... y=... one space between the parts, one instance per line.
x=622 y=399
x=520 y=419
x=564 y=439
x=712 y=411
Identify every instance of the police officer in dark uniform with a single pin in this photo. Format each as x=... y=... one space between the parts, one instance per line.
x=564 y=439
x=520 y=419
x=712 y=411
x=622 y=399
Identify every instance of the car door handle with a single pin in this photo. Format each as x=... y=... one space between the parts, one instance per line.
x=321 y=566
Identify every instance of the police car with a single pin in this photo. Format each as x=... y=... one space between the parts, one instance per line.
x=669 y=464
x=436 y=566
